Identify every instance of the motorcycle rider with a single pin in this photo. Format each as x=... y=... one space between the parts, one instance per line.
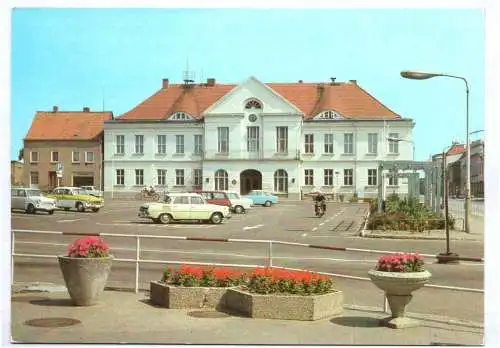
x=321 y=199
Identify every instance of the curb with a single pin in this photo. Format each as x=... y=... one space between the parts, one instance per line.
x=393 y=236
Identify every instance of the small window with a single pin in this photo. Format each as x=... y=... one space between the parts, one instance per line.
x=54 y=156
x=309 y=177
x=179 y=177
x=89 y=156
x=348 y=177
x=139 y=177
x=253 y=104
x=76 y=156
x=34 y=156
x=34 y=178
x=120 y=177
x=372 y=177
x=120 y=145
x=161 y=142
x=180 y=116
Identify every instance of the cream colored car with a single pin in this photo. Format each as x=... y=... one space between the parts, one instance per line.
x=184 y=206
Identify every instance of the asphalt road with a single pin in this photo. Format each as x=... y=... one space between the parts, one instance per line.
x=288 y=221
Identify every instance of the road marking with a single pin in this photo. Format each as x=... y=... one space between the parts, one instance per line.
x=304 y=234
x=70 y=220
x=321 y=224
x=252 y=227
x=155 y=225
x=314 y=229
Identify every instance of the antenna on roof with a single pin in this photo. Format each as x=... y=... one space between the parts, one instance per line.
x=188 y=75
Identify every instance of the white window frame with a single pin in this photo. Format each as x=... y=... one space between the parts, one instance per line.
x=139 y=144
x=393 y=180
x=328 y=177
x=348 y=177
x=349 y=143
x=161 y=177
x=33 y=175
x=161 y=144
x=309 y=177
x=393 y=144
x=253 y=139
x=179 y=144
x=120 y=177
x=52 y=157
x=179 y=177
x=309 y=143
x=328 y=143
x=139 y=177
x=198 y=144
x=282 y=139
x=120 y=144
x=372 y=143
x=73 y=157
x=221 y=180
x=281 y=181
x=223 y=139
x=37 y=156
x=87 y=157
x=198 y=177
x=372 y=177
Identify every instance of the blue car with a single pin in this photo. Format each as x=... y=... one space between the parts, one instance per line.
x=260 y=197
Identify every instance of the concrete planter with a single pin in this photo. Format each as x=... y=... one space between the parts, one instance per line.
x=85 y=278
x=178 y=297
x=398 y=288
x=289 y=307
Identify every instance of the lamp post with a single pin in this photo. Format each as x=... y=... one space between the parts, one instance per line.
x=446 y=257
x=415 y=75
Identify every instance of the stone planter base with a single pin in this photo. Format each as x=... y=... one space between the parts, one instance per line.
x=399 y=322
x=179 y=297
x=289 y=307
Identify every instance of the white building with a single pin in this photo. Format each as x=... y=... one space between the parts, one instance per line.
x=284 y=138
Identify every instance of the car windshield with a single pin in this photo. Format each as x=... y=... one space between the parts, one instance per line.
x=33 y=193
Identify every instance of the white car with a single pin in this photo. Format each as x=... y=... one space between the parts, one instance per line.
x=184 y=206
x=238 y=204
x=91 y=190
x=31 y=200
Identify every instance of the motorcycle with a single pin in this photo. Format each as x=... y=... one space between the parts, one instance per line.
x=318 y=209
x=147 y=194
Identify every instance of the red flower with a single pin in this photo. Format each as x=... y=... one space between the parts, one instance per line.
x=90 y=246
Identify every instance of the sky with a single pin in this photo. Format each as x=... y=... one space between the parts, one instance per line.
x=116 y=58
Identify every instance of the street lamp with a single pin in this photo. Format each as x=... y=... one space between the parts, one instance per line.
x=415 y=75
x=408 y=141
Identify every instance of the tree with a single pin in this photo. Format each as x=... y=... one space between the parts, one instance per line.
x=20 y=156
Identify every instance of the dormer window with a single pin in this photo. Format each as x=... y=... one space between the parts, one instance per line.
x=329 y=115
x=253 y=104
x=179 y=116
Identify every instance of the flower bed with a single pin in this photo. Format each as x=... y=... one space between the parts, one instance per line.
x=280 y=294
x=194 y=287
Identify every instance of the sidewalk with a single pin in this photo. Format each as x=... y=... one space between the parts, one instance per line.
x=124 y=317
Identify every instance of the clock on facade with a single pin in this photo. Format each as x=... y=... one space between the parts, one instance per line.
x=252 y=118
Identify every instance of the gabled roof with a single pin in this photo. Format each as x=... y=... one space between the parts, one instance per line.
x=347 y=99
x=62 y=125
x=456 y=149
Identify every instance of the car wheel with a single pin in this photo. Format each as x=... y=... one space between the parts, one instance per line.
x=267 y=204
x=95 y=210
x=216 y=218
x=165 y=218
x=31 y=209
x=238 y=209
x=80 y=207
x=51 y=212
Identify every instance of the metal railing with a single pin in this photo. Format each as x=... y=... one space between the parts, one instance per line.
x=269 y=263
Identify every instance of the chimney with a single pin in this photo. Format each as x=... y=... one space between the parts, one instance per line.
x=354 y=82
x=165 y=83
x=55 y=108
x=211 y=82
x=86 y=109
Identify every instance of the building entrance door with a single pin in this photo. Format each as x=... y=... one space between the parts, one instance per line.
x=250 y=179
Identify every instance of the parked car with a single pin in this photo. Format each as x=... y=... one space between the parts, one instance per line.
x=31 y=200
x=238 y=204
x=183 y=206
x=91 y=190
x=260 y=197
x=215 y=197
x=74 y=197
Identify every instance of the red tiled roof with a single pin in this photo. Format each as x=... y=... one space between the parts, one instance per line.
x=347 y=99
x=67 y=125
x=456 y=149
